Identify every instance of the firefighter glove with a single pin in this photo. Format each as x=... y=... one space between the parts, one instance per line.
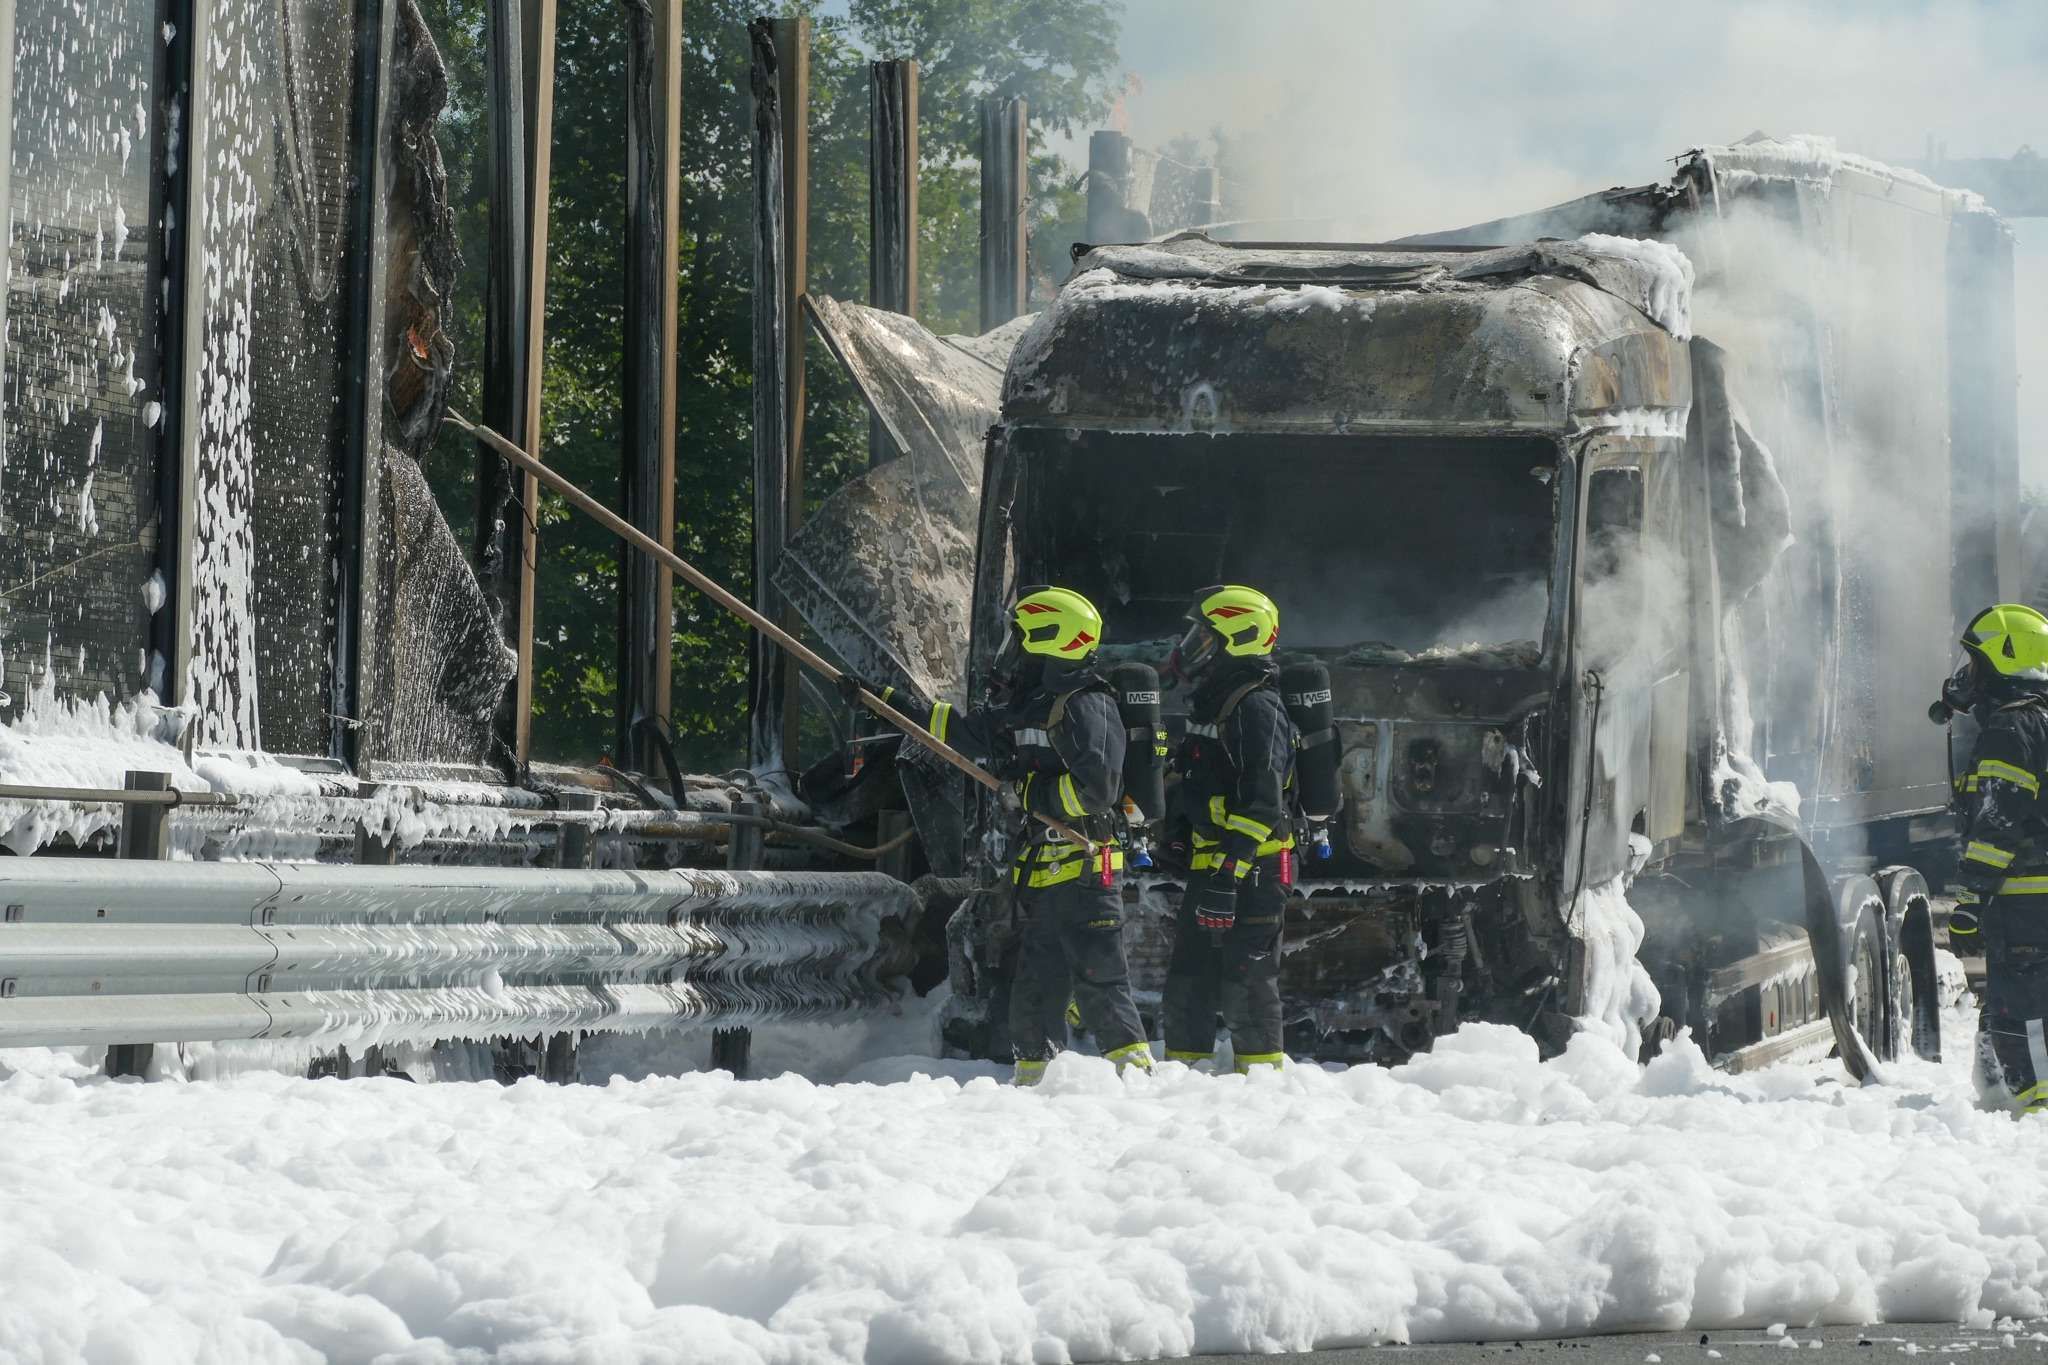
x=1215 y=903
x=852 y=685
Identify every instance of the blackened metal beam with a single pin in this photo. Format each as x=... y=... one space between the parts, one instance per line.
x=892 y=205
x=780 y=85
x=1005 y=149
x=1110 y=215
x=538 y=49
x=653 y=165
x=177 y=265
x=363 y=386
x=496 y=534
x=7 y=151
x=793 y=39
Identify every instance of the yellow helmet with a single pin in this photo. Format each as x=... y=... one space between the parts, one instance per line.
x=1242 y=621
x=2012 y=639
x=1056 y=622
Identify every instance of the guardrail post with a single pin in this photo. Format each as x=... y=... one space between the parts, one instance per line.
x=730 y=1047
x=373 y=850
x=145 y=834
x=574 y=846
x=896 y=862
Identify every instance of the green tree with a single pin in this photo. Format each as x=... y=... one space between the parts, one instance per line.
x=1060 y=56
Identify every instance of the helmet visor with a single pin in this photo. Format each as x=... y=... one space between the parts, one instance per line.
x=1009 y=659
x=1191 y=654
x=1964 y=688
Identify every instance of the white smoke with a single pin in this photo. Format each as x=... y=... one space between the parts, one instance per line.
x=1397 y=119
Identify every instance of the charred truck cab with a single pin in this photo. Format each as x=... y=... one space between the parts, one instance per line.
x=1631 y=683
x=1508 y=501
x=1451 y=468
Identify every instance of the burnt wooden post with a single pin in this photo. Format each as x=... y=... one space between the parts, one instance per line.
x=538 y=52
x=780 y=83
x=145 y=834
x=730 y=1047
x=654 y=65
x=892 y=205
x=1109 y=188
x=1005 y=149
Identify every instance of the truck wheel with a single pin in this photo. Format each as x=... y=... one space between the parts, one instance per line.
x=1867 y=955
x=1915 y=992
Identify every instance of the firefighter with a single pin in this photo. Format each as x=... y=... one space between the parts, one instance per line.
x=1054 y=734
x=2003 y=868
x=1229 y=824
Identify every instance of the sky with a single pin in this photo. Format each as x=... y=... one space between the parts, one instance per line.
x=1403 y=118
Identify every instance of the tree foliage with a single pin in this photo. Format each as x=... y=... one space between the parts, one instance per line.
x=1058 y=54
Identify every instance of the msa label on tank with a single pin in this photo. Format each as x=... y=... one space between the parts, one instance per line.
x=1141 y=699
x=1308 y=698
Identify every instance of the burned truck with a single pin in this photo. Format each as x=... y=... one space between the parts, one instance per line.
x=1631 y=627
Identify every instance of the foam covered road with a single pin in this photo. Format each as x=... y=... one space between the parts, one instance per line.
x=1475 y=1193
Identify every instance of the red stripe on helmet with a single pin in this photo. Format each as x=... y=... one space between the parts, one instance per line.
x=1083 y=638
x=1227 y=612
x=1035 y=608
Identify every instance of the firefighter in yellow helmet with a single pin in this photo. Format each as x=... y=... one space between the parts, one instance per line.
x=1054 y=733
x=2003 y=684
x=1230 y=811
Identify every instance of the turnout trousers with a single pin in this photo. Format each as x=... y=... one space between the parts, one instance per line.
x=2012 y=1036
x=1071 y=947
x=1235 y=974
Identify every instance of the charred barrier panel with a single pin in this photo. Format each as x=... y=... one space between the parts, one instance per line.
x=98 y=952
x=80 y=397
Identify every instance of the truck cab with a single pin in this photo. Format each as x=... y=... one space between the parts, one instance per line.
x=1459 y=473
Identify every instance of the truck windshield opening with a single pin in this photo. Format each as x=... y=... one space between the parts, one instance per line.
x=1379 y=549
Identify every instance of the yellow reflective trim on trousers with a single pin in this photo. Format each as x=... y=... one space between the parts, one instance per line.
x=2019 y=777
x=942 y=718
x=2033 y=1094
x=1989 y=854
x=2023 y=886
x=1027 y=1072
x=1174 y=1054
x=1138 y=1055
x=1070 y=797
x=1247 y=1060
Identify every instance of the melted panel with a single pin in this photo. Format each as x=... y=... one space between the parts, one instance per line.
x=270 y=420
x=77 y=478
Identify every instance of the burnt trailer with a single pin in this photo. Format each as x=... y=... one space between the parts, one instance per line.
x=1607 y=605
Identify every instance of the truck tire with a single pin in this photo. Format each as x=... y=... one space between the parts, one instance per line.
x=1866 y=950
x=1915 y=992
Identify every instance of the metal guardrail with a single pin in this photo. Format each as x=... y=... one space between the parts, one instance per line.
x=121 y=952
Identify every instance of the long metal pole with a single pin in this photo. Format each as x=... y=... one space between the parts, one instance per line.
x=771 y=685
x=793 y=41
x=364 y=390
x=1005 y=133
x=505 y=301
x=892 y=205
x=540 y=140
x=717 y=592
x=653 y=157
x=184 y=106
